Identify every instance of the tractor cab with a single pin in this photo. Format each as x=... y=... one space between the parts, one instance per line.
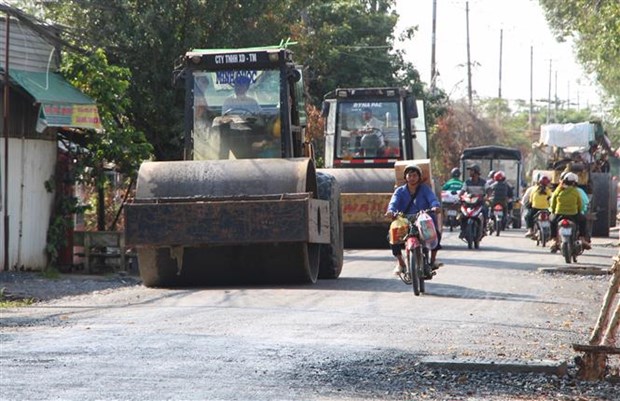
x=241 y=104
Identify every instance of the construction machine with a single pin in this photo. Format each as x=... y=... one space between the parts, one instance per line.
x=367 y=131
x=582 y=148
x=246 y=204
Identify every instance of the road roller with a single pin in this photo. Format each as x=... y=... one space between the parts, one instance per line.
x=246 y=205
x=367 y=131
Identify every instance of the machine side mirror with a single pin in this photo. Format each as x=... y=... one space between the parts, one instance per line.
x=325 y=110
x=294 y=75
x=410 y=107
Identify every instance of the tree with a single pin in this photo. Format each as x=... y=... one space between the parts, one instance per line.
x=595 y=28
x=120 y=145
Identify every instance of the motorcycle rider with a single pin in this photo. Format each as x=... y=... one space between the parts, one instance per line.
x=490 y=178
x=500 y=192
x=475 y=185
x=409 y=199
x=538 y=199
x=454 y=183
x=566 y=203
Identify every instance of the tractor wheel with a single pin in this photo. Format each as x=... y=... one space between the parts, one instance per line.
x=332 y=254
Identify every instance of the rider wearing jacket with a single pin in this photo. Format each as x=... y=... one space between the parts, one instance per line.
x=454 y=183
x=409 y=199
x=475 y=185
x=537 y=200
x=566 y=202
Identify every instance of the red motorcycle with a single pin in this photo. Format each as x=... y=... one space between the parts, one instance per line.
x=570 y=246
x=420 y=239
x=497 y=221
x=542 y=228
x=472 y=230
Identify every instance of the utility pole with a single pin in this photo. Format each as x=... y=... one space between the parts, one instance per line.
x=531 y=116
x=501 y=39
x=5 y=127
x=468 y=58
x=433 y=41
x=555 y=110
x=549 y=95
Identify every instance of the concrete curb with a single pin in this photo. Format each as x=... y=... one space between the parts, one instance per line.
x=547 y=367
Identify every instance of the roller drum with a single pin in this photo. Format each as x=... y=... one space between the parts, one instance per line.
x=223 y=181
x=365 y=196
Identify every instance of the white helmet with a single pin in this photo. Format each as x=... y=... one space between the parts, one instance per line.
x=570 y=177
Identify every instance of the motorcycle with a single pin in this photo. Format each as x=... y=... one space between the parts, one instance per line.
x=472 y=230
x=450 y=206
x=542 y=228
x=420 y=238
x=497 y=221
x=570 y=246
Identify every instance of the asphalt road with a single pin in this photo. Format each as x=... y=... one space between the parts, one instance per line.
x=303 y=342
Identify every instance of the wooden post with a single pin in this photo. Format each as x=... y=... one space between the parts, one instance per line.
x=593 y=364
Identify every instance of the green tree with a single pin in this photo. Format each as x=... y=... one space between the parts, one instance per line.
x=595 y=28
x=119 y=144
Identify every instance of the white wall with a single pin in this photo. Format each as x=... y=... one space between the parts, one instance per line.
x=31 y=163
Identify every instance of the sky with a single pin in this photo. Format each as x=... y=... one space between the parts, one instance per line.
x=524 y=28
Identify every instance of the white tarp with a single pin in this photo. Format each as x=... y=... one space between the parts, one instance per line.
x=564 y=135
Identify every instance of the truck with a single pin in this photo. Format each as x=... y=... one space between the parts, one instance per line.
x=246 y=203
x=578 y=148
x=369 y=131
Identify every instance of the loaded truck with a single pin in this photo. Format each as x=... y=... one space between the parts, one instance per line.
x=579 y=148
x=367 y=131
x=246 y=204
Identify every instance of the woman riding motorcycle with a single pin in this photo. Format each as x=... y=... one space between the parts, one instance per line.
x=566 y=203
x=538 y=200
x=409 y=199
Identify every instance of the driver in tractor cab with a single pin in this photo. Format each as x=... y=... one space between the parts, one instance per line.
x=566 y=203
x=241 y=103
x=369 y=134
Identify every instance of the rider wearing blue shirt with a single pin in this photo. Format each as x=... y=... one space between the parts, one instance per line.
x=409 y=199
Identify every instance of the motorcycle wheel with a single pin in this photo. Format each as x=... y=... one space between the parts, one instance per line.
x=544 y=237
x=469 y=236
x=414 y=271
x=567 y=252
x=498 y=226
x=421 y=268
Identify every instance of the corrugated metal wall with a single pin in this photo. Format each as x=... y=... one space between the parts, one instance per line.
x=31 y=163
x=27 y=50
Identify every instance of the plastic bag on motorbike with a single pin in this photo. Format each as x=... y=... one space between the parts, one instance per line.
x=398 y=230
x=428 y=232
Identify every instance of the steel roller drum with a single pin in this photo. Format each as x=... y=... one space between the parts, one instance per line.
x=221 y=178
x=362 y=180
